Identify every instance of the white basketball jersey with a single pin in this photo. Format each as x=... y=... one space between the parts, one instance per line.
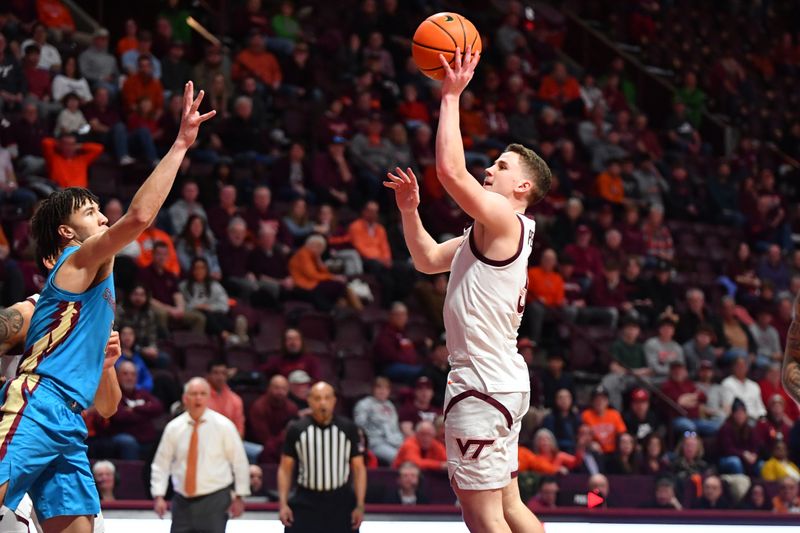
x=10 y=362
x=483 y=309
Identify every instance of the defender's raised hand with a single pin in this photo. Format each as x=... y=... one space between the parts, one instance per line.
x=191 y=118
x=406 y=189
x=457 y=77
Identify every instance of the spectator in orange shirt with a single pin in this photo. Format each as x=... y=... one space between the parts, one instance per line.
x=546 y=458
x=229 y=404
x=312 y=276
x=143 y=85
x=606 y=423
x=423 y=449
x=256 y=61
x=562 y=91
x=147 y=240
x=609 y=183
x=545 y=293
x=368 y=237
x=67 y=161
x=130 y=41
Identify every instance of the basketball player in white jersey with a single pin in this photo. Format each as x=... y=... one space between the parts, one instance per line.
x=14 y=323
x=488 y=386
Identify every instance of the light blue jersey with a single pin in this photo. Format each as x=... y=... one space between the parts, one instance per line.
x=67 y=338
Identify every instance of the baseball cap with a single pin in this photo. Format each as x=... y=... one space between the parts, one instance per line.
x=776 y=398
x=640 y=395
x=424 y=382
x=676 y=362
x=100 y=32
x=583 y=229
x=599 y=391
x=297 y=377
x=338 y=139
x=705 y=364
x=525 y=342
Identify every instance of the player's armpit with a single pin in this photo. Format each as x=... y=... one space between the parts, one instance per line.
x=442 y=256
x=791 y=361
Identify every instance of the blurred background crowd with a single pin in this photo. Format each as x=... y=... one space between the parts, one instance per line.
x=660 y=291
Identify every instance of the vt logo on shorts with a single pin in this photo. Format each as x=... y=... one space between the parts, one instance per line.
x=465 y=445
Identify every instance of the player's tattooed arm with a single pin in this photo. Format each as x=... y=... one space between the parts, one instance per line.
x=11 y=323
x=791 y=360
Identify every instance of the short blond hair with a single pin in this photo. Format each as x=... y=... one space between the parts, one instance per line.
x=535 y=169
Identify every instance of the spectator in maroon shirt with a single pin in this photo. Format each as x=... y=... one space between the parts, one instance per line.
x=261 y=211
x=220 y=216
x=37 y=79
x=167 y=300
x=419 y=407
x=293 y=357
x=27 y=134
x=737 y=444
x=109 y=129
x=630 y=228
x=267 y=267
x=394 y=350
x=131 y=430
x=233 y=253
x=586 y=257
x=609 y=293
x=332 y=176
x=684 y=392
x=268 y=418
x=772 y=428
x=657 y=237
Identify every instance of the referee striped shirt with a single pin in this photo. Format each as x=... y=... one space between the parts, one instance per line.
x=322 y=453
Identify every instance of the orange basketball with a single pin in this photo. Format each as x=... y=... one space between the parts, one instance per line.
x=441 y=34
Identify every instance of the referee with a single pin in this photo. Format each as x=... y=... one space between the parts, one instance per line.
x=326 y=449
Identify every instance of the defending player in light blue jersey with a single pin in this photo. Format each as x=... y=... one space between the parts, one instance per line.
x=42 y=434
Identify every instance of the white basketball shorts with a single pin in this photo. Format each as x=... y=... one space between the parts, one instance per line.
x=481 y=432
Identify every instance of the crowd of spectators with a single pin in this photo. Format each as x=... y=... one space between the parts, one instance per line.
x=659 y=294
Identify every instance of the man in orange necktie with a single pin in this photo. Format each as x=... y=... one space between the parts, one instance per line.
x=203 y=497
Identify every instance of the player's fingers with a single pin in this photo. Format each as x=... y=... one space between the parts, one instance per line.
x=391 y=185
x=403 y=175
x=208 y=115
x=188 y=91
x=445 y=65
x=468 y=54
x=412 y=177
x=396 y=179
x=458 y=59
x=475 y=58
x=196 y=103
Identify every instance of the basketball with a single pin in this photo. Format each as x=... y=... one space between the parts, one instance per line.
x=441 y=34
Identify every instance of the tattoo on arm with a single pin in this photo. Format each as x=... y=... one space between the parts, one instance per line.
x=10 y=325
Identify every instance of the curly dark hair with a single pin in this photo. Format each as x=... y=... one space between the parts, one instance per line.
x=52 y=213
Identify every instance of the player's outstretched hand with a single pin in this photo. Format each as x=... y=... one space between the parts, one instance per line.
x=457 y=77
x=406 y=189
x=113 y=351
x=190 y=117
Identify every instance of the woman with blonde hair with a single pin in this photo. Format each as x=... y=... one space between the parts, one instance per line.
x=546 y=458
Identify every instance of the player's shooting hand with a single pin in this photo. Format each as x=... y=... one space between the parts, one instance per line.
x=457 y=77
x=113 y=351
x=406 y=189
x=190 y=117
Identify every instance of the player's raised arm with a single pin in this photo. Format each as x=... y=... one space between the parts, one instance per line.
x=145 y=205
x=490 y=209
x=791 y=360
x=429 y=256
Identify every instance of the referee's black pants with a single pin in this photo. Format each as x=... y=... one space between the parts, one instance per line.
x=203 y=514
x=322 y=511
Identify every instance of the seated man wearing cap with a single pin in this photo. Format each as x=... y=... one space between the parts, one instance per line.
x=627 y=362
x=640 y=419
x=419 y=407
x=661 y=350
x=681 y=390
x=606 y=422
x=773 y=427
x=586 y=258
x=299 y=387
x=718 y=399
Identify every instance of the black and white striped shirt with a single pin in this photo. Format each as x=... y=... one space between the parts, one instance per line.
x=322 y=453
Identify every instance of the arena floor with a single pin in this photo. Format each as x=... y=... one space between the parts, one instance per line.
x=138 y=521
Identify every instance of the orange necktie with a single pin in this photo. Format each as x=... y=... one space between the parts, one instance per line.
x=190 y=483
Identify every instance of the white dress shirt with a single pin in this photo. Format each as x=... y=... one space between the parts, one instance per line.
x=747 y=391
x=220 y=459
